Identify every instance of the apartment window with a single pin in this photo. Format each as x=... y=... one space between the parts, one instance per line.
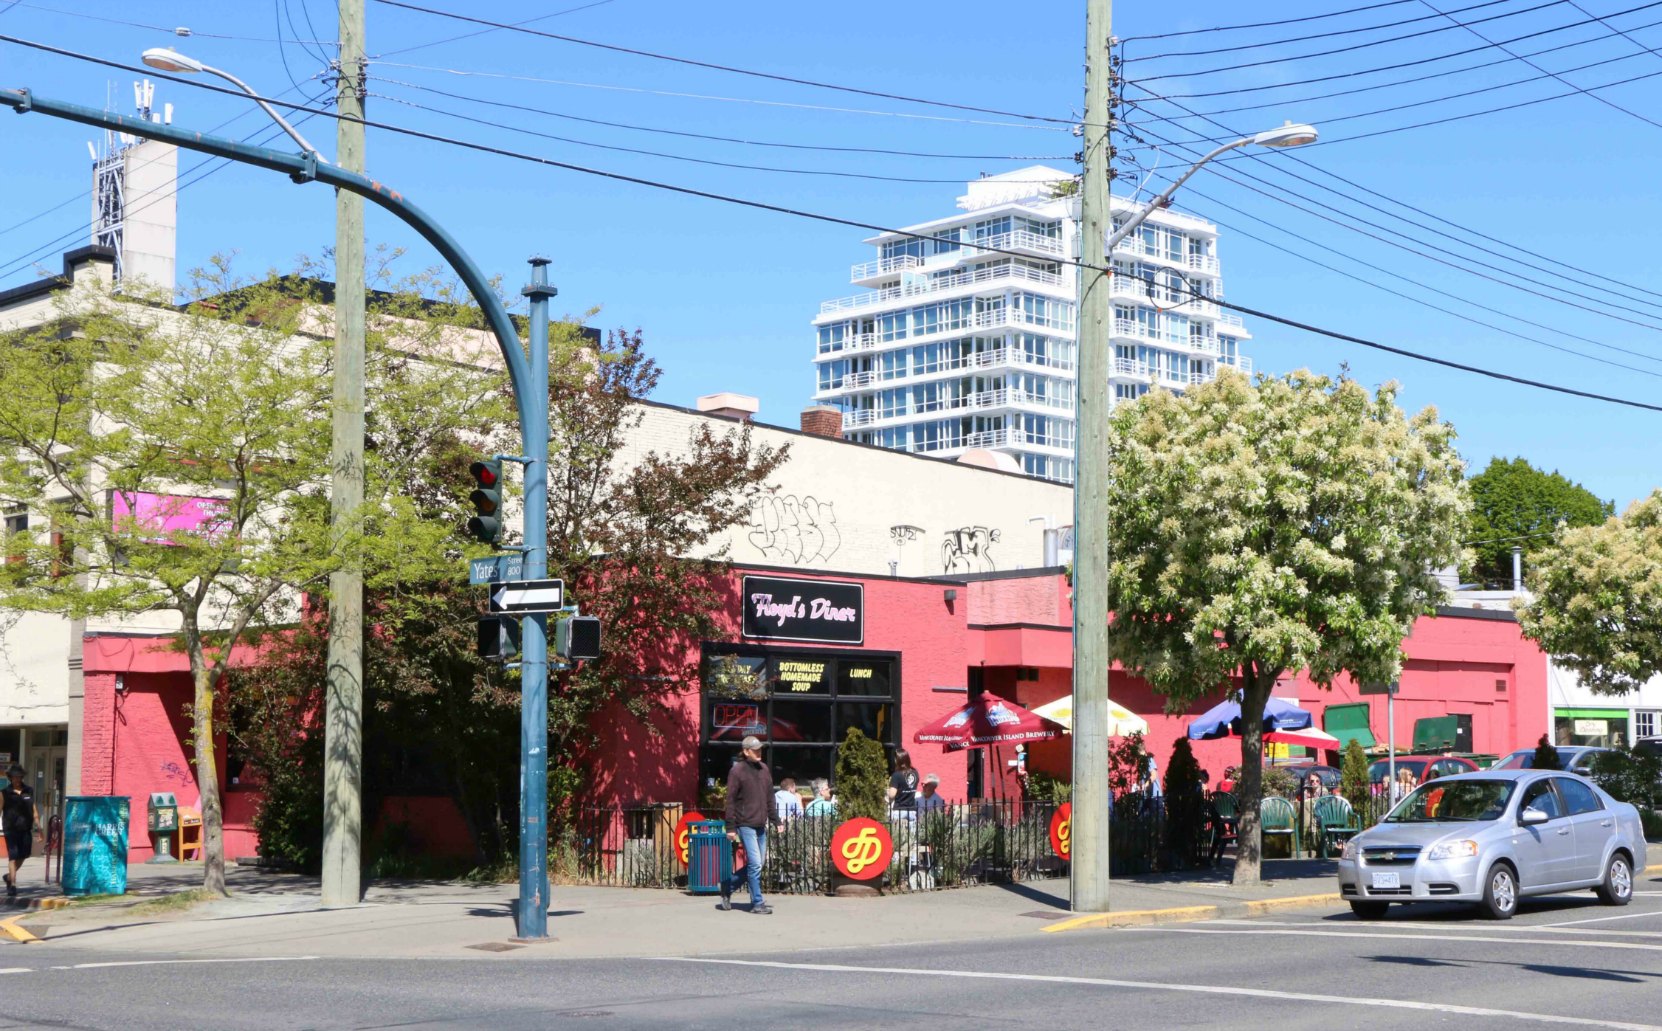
x=1037 y=228
x=891 y=326
x=16 y=541
x=956 y=314
x=891 y=403
x=891 y=365
x=992 y=227
x=832 y=337
x=926 y=320
x=1644 y=723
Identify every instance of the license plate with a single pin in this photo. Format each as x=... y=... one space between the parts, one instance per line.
x=1387 y=880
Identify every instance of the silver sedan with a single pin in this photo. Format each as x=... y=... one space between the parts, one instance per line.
x=1493 y=837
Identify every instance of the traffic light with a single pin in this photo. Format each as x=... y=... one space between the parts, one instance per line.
x=487 y=500
x=498 y=638
x=577 y=637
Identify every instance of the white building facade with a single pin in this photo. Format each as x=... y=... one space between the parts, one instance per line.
x=967 y=340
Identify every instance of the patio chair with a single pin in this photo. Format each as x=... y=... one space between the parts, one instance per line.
x=1224 y=825
x=1335 y=822
x=1277 y=818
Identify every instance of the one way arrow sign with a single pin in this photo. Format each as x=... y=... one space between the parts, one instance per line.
x=529 y=596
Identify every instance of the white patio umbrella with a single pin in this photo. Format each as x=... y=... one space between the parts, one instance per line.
x=1121 y=721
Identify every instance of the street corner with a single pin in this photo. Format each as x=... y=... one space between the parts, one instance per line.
x=1134 y=918
x=1258 y=907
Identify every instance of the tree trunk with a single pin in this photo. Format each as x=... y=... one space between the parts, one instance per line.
x=1255 y=694
x=207 y=771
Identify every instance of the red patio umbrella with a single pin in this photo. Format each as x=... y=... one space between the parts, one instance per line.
x=988 y=720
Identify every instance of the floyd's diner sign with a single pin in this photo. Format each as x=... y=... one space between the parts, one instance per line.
x=823 y=611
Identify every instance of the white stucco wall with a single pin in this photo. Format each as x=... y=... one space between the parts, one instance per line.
x=34 y=668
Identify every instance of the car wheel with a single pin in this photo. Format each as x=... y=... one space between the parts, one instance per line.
x=1369 y=910
x=1500 y=893
x=1617 y=889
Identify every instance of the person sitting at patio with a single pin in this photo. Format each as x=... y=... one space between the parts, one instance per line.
x=1227 y=784
x=1434 y=797
x=822 y=804
x=787 y=805
x=929 y=799
x=1312 y=792
x=1405 y=785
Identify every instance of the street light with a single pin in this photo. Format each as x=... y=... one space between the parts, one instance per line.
x=168 y=60
x=1282 y=137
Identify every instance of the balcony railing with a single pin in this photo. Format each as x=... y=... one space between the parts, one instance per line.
x=980 y=320
x=1204 y=263
x=883 y=267
x=1017 y=241
x=999 y=357
x=1231 y=319
x=981 y=274
x=1129 y=367
x=1004 y=397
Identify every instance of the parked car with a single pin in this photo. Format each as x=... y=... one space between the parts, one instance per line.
x=1649 y=745
x=1442 y=765
x=1302 y=770
x=1575 y=758
x=1492 y=837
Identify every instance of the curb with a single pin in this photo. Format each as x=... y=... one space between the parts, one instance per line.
x=48 y=902
x=1135 y=918
x=1256 y=906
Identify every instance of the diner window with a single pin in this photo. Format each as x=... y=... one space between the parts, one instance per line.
x=799 y=703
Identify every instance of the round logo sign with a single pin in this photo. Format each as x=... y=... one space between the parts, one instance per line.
x=683 y=835
x=861 y=849
x=1061 y=830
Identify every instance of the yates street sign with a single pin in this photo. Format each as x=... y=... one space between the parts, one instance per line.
x=529 y=596
x=495 y=569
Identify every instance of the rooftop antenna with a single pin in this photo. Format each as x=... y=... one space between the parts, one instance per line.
x=109 y=172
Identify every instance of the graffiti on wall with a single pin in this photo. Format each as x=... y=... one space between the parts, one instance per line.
x=795 y=529
x=969 y=549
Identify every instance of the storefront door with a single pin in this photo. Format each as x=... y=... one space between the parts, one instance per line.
x=46 y=757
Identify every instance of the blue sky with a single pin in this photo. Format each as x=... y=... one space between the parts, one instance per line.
x=725 y=294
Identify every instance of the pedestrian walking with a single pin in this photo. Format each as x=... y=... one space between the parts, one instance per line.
x=749 y=807
x=21 y=822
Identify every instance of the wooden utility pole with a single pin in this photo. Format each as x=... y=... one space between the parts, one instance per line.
x=1090 y=498
x=343 y=754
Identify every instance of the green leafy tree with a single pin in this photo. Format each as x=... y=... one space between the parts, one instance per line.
x=1129 y=764
x=1546 y=756
x=1258 y=529
x=1596 y=599
x=1355 y=784
x=1516 y=504
x=862 y=778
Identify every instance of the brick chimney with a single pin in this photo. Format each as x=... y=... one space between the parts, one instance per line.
x=742 y=407
x=822 y=421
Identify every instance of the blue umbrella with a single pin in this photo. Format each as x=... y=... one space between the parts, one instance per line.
x=1224 y=719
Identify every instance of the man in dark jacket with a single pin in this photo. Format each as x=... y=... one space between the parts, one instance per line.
x=749 y=806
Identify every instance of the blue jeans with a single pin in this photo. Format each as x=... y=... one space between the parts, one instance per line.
x=755 y=842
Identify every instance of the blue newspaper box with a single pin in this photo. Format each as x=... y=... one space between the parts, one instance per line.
x=709 y=857
x=95 y=844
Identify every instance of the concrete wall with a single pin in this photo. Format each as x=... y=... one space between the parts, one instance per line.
x=836 y=506
x=34 y=668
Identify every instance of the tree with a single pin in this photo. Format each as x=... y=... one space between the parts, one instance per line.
x=1516 y=504
x=181 y=458
x=1546 y=756
x=862 y=778
x=1258 y=529
x=1185 y=797
x=1596 y=599
x=1355 y=782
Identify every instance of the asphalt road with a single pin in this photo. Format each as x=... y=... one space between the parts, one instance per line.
x=1565 y=961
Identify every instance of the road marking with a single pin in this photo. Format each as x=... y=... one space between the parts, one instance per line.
x=1197 y=989
x=1464 y=932
x=185 y=962
x=1634 y=946
x=16 y=970
x=1600 y=919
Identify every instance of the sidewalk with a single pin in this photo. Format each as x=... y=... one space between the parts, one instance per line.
x=273 y=914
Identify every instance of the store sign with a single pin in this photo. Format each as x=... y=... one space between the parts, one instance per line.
x=1592 y=728
x=1061 y=830
x=734 y=719
x=861 y=849
x=802 y=676
x=826 y=612
x=683 y=835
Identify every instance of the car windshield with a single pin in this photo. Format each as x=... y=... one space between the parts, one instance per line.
x=1525 y=760
x=1381 y=769
x=1454 y=801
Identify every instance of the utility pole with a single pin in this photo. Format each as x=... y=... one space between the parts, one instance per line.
x=343 y=754
x=1089 y=866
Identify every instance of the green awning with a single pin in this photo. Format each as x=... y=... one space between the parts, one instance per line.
x=1346 y=736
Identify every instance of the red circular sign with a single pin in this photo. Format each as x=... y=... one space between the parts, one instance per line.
x=683 y=835
x=861 y=849
x=1061 y=830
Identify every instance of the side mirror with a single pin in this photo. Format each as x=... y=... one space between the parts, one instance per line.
x=1532 y=816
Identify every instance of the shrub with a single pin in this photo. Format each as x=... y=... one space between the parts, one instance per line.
x=1354 y=782
x=1185 y=807
x=1546 y=756
x=1651 y=821
x=1045 y=788
x=862 y=778
x=1629 y=775
x=1128 y=764
x=1278 y=780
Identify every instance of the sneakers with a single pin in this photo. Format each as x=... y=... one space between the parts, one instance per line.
x=762 y=909
x=726 y=902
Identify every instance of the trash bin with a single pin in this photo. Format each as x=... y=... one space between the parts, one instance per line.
x=710 y=857
x=95 y=844
x=162 y=819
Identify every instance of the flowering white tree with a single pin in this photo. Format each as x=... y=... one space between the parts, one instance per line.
x=1596 y=602
x=1257 y=529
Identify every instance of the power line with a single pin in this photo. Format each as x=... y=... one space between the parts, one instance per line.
x=1350 y=49
x=169 y=29
x=614 y=48
x=912 y=115
x=1319 y=35
x=1393 y=67
x=482 y=32
x=724 y=139
x=1272 y=24
x=757 y=205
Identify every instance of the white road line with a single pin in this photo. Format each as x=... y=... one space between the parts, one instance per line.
x=185 y=962
x=1600 y=919
x=16 y=970
x=1465 y=932
x=1198 y=989
x=1559 y=942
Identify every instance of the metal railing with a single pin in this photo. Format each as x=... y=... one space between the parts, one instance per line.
x=883 y=266
x=936 y=284
x=1003 y=397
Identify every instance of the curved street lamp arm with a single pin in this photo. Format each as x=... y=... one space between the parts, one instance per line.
x=294 y=133
x=1164 y=198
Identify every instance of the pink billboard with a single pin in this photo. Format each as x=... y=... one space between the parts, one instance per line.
x=166 y=514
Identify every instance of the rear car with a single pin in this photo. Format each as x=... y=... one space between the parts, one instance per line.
x=1575 y=758
x=1439 y=765
x=1491 y=838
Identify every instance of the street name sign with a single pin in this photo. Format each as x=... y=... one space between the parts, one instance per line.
x=495 y=569
x=529 y=596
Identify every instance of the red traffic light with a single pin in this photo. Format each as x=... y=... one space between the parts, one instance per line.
x=486 y=473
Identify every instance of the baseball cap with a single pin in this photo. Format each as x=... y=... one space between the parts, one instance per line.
x=751 y=744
